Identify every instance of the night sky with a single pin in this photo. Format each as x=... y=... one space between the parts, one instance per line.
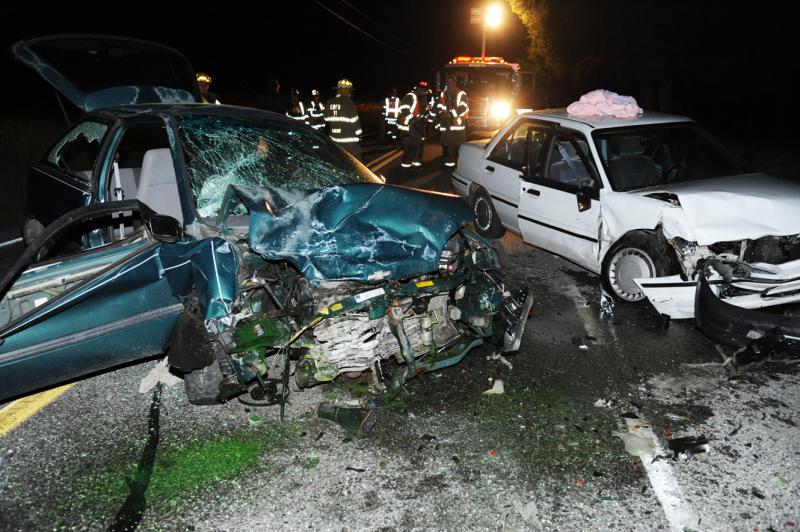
x=725 y=63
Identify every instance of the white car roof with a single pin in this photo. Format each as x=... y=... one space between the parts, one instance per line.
x=587 y=123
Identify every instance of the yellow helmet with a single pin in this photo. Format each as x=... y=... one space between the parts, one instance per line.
x=202 y=77
x=344 y=83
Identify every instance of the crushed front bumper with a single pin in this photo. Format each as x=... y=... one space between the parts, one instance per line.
x=770 y=285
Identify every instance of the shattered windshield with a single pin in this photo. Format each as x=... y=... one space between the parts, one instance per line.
x=648 y=156
x=222 y=151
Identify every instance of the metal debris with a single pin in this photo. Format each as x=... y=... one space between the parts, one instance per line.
x=497 y=356
x=688 y=446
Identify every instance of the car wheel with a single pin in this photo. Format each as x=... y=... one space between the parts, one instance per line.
x=487 y=223
x=31 y=228
x=636 y=257
x=202 y=385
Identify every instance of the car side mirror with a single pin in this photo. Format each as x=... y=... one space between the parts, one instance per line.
x=164 y=228
x=587 y=189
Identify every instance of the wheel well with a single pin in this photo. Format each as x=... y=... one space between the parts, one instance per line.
x=655 y=234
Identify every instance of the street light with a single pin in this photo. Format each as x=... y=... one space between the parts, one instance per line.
x=492 y=19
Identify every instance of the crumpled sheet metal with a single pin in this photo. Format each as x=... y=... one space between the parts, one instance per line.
x=360 y=232
x=211 y=266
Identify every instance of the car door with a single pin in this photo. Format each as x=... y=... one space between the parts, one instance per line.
x=83 y=310
x=549 y=214
x=62 y=180
x=503 y=168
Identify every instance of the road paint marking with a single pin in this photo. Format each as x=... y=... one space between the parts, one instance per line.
x=394 y=155
x=590 y=320
x=678 y=511
x=17 y=412
x=381 y=157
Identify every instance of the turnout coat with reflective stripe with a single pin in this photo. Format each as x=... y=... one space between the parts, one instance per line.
x=316 y=115
x=453 y=112
x=409 y=108
x=342 y=119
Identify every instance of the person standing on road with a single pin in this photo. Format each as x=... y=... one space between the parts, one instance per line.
x=452 y=120
x=296 y=111
x=315 y=110
x=204 y=82
x=412 y=127
x=341 y=116
x=391 y=111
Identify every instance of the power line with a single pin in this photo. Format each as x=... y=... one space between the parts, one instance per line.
x=384 y=28
x=337 y=15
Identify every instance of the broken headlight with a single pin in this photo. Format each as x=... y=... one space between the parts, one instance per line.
x=449 y=260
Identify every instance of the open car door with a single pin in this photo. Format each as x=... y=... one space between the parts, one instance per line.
x=94 y=71
x=82 y=298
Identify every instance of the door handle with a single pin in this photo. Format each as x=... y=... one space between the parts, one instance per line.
x=490 y=168
x=533 y=191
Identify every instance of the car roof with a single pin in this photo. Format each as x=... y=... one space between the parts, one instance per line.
x=188 y=109
x=594 y=122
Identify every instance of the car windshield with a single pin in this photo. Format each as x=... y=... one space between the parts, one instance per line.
x=653 y=155
x=222 y=151
x=483 y=81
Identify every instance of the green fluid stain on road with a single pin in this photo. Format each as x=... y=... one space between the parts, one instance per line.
x=185 y=469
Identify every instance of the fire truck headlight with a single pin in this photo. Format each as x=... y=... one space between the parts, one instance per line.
x=500 y=110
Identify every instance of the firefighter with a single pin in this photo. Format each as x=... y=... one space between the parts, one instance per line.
x=315 y=110
x=391 y=110
x=204 y=82
x=452 y=120
x=297 y=110
x=342 y=118
x=411 y=125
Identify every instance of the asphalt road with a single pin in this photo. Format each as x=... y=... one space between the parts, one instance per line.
x=543 y=455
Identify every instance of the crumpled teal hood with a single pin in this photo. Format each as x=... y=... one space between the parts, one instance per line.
x=362 y=232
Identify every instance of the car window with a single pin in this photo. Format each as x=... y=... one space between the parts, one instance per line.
x=77 y=151
x=510 y=150
x=653 y=155
x=136 y=140
x=223 y=151
x=566 y=167
x=73 y=256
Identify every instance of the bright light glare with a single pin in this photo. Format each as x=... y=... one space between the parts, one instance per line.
x=500 y=110
x=494 y=15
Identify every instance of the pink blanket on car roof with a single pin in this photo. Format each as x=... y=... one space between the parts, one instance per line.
x=605 y=103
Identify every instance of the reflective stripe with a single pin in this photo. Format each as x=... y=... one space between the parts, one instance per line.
x=402 y=127
x=318 y=126
x=456 y=128
x=358 y=131
x=341 y=119
x=345 y=139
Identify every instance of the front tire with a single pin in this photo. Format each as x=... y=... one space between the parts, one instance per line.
x=202 y=385
x=487 y=223
x=635 y=257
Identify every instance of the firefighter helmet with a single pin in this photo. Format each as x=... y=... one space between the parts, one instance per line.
x=202 y=77
x=314 y=92
x=344 y=83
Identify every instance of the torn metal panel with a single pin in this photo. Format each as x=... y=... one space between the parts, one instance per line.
x=211 y=266
x=353 y=231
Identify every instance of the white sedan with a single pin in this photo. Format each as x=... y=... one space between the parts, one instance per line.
x=644 y=202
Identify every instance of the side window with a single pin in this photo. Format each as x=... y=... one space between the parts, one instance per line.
x=77 y=152
x=566 y=165
x=136 y=141
x=510 y=151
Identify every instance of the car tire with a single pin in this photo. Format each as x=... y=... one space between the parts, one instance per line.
x=637 y=256
x=31 y=228
x=202 y=385
x=487 y=223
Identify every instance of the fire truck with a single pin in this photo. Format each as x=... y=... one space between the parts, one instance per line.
x=495 y=89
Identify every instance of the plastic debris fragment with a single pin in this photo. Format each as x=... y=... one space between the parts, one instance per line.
x=602 y=403
x=160 y=373
x=497 y=389
x=636 y=445
x=688 y=446
x=530 y=514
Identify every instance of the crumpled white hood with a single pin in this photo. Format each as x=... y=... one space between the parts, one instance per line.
x=734 y=208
